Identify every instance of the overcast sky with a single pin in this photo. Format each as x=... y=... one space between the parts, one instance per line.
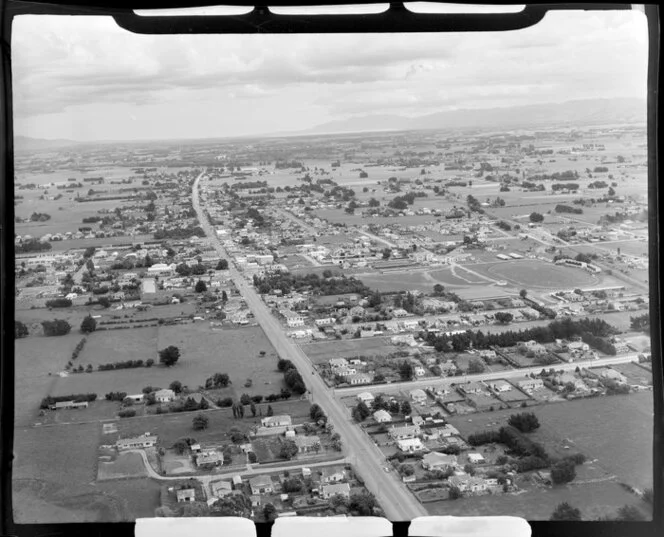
x=84 y=78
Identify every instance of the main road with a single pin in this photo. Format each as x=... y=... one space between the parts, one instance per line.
x=495 y=375
x=368 y=461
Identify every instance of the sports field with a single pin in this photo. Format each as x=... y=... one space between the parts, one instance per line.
x=531 y=273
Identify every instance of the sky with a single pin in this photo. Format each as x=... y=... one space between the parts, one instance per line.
x=84 y=78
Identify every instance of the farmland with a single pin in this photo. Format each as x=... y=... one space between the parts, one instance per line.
x=203 y=353
x=590 y=426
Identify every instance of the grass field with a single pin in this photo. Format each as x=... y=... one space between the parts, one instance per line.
x=203 y=353
x=538 y=274
x=124 y=466
x=320 y=353
x=591 y=427
x=171 y=427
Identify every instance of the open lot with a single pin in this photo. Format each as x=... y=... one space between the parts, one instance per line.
x=321 y=352
x=171 y=427
x=635 y=374
x=124 y=466
x=203 y=352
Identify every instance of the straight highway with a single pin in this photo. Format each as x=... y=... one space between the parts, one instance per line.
x=395 y=499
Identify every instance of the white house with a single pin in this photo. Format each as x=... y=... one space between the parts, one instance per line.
x=283 y=420
x=438 y=461
x=186 y=495
x=261 y=484
x=328 y=491
x=164 y=396
x=137 y=442
x=530 y=384
x=418 y=395
x=366 y=398
x=410 y=445
x=382 y=416
x=293 y=319
x=476 y=458
x=405 y=431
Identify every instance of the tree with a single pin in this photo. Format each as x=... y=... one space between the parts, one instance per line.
x=536 y=217
x=387 y=252
x=406 y=469
x=169 y=356
x=363 y=504
x=406 y=370
x=564 y=511
x=563 y=472
x=438 y=290
x=222 y=265
x=269 y=512
x=455 y=493
x=316 y=412
x=629 y=513
x=523 y=293
x=88 y=325
x=252 y=406
x=58 y=327
x=224 y=296
x=405 y=408
x=20 y=330
x=524 y=422
x=288 y=450
x=475 y=366
x=176 y=386
x=270 y=412
x=200 y=422
x=104 y=302
x=200 y=286
x=504 y=317
x=361 y=411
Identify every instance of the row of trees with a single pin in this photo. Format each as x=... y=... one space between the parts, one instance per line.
x=292 y=376
x=560 y=329
x=310 y=282
x=126 y=364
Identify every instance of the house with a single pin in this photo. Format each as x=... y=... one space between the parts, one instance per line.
x=476 y=458
x=283 y=420
x=419 y=371
x=306 y=472
x=499 y=385
x=405 y=431
x=336 y=363
x=438 y=461
x=186 y=495
x=448 y=430
x=261 y=484
x=577 y=346
x=399 y=312
x=345 y=371
x=293 y=319
x=305 y=444
x=612 y=374
x=327 y=321
x=137 y=442
x=358 y=378
x=221 y=488
x=69 y=404
x=237 y=481
x=328 y=491
x=529 y=384
x=164 y=396
x=161 y=269
x=472 y=388
x=366 y=398
x=209 y=459
x=332 y=475
x=487 y=354
x=382 y=416
x=447 y=368
x=466 y=483
x=418 y=395
x=410 y=445
x=417 y=420
x=138 y=398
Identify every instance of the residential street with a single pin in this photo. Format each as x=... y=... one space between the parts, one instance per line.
x=397 y=502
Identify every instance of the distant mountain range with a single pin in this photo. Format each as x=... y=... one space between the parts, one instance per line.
x=570 y=113
x=25 y=143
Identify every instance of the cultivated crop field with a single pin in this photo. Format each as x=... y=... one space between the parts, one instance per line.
x=320 y=353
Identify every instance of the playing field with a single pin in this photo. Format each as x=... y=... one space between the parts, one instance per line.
x=538 y=274
x=320 y=353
